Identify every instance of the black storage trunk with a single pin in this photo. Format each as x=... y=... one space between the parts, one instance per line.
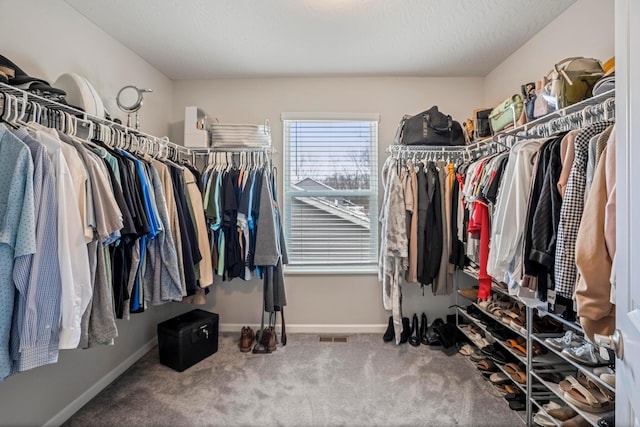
x=187 y=339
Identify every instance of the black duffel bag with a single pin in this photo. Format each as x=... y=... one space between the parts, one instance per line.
x=430 y=127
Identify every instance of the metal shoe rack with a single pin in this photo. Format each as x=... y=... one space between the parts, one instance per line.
x=539 y=388
x=533 y=390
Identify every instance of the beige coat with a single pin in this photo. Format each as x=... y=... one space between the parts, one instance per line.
x=597 y=314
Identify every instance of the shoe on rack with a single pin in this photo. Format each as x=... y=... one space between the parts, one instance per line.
x=606 y=374
x=569 y=339
x=543 y=419
x=390 y=333
x=586 y=355
x=406 y=330
x=562 y=414
x=246 y=339
x=414 y=339
x=494 y=354
x=608 y=420
x=470 y=294
x=577 y=421
x=500 y=332
x=477 y=356
x=466 y=350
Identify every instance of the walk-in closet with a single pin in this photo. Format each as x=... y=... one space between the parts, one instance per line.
x=319 y=213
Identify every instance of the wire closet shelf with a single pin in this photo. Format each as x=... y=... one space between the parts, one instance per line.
x=22 y=99
x=600 y=107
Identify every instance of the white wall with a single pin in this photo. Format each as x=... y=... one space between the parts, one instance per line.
x=324 y=302
x=47 y=38
x=586 y=29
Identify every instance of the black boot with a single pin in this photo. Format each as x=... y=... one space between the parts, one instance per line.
x=406 y=330
x=389 y=334
x=424 y=327
x=414 y=339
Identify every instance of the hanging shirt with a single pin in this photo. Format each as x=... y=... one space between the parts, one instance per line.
x=505 y=255
x=35 y=331
x=77 y=287
x=172 y=224
x=162 y=276
x=205 y=267
x=18 y=231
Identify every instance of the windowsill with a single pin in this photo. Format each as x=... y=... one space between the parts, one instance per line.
x=315 y=270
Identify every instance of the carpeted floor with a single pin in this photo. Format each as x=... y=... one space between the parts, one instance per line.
x=364 y=382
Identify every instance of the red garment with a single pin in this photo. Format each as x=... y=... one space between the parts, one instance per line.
x=479 y=222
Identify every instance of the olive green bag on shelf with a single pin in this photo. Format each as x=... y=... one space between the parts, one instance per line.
x=572 y=80
x=506 y=113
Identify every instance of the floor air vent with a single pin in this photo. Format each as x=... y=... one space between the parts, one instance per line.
x=332 y=338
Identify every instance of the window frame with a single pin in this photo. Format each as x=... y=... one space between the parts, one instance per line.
x=372 y=193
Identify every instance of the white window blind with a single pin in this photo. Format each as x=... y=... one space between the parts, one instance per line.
x=331 y=191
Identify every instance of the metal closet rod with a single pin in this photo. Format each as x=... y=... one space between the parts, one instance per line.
x=26 y=97
x=596 y=106
x=441 y=151
x=600 y=106
x=237 y=149
x=54 y=105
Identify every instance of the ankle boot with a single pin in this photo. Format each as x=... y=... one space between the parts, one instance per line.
x=269 y=338
x=414 y=339
x=246 y=339
x=424 y=327
x=389 y=334
x=406 y=330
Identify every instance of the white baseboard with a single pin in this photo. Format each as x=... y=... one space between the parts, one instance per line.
x=314 y=329
x=102 y=383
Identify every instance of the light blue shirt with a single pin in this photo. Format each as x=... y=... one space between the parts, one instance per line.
x=17 y=231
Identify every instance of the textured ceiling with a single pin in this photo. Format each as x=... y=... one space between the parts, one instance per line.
x=198 y=39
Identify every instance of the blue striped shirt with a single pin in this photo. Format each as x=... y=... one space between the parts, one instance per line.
x=35 y=330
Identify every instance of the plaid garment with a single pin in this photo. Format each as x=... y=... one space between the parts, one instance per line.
x=571 y=212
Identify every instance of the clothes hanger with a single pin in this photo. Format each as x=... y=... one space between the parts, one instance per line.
x=8 y=108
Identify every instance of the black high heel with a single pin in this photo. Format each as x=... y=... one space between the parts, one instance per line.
x=389 y=334
x=414 y=339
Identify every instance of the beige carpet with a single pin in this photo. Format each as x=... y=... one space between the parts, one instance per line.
x=364 y=382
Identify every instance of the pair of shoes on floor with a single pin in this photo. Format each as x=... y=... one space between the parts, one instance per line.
x=414 y=333
x=390 y=333
x=266 y=341
x=419 y=331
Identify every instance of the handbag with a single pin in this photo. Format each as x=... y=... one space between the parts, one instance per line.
x=507 y=112
x=482 y=123
x=572 y=80
x=431 y=127
x=540 y=105
x=469 y=132
x=529 y=95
